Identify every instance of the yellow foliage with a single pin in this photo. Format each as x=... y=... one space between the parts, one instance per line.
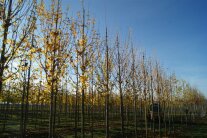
x=38 y=50
x=73 y=29
x=31 y=56
x=49 y=46
x=33 y=50
x=83 y=79
x=9 y=41
x=54 y=33
x=82 y=42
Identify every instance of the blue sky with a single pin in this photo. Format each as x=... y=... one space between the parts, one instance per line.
x=174 y=31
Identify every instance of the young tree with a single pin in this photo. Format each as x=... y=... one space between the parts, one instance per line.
x=54 y=52
x=107 y=87
x=122 y=70
x=16 y=25
x=133 y=70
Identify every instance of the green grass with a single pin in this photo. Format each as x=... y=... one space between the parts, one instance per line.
x=66 y=128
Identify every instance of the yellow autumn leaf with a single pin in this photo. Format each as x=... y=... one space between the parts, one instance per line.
x=31 y=56
x=73 y=29
x=82 y=42
x=83 y=79
x=33 y=50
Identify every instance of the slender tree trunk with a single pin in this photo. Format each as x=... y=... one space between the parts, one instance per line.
x=83 y=83
x=107 y=89
x=145 y=97
x=134 y=93
x=152 y=102
x=83 y=114
x=5 y=108
x=51 y=112
x=76 y=98
x=23 y=106
x=120 y=91
x=37 y=105
x=92 y=108
x=27 y=97
x=55 y=107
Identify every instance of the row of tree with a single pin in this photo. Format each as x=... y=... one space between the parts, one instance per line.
x=53 y=62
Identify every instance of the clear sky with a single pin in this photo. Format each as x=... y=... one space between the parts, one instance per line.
x=175 y=31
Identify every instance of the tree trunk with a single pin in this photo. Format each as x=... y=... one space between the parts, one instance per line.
x=27 y=97
x=120 y=91
x=107 y=89
x=23 y=106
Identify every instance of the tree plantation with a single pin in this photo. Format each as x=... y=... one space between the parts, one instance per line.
x=61 y=78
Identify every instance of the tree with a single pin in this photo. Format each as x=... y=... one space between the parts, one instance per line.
x=134 y=91
x=121 y=59
x=53 y=53
x=14 y=32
